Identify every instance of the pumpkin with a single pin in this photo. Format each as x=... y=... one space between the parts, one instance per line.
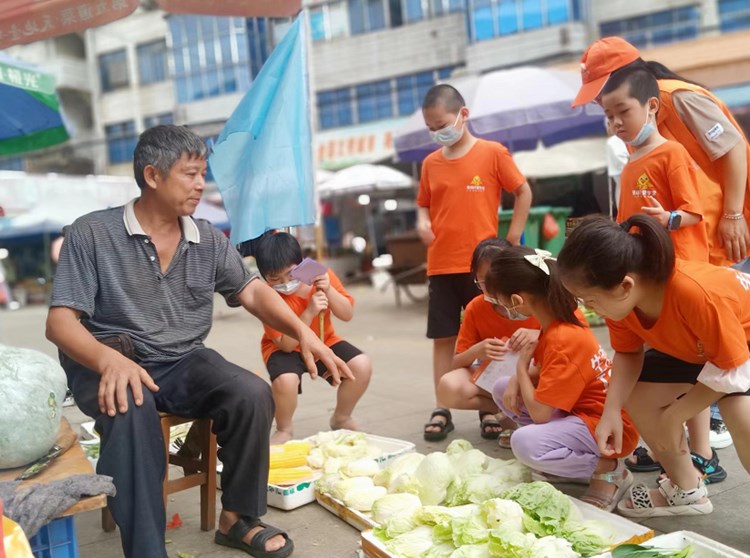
x=32 y=389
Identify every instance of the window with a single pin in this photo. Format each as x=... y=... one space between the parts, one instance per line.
x=152 y=62
x=734 y=14
x=121 y=140
x=399 y=96
x=157 y=120
x=666 y=26
x=12 y=164
x=444 y=7
x=494 y=18
x=413 y=10
x=216 y=56
x=318 y=24
x=113 y=70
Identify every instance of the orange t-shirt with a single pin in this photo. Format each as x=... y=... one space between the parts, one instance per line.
x=668 y=174
x=574 y=376
x=482 y=322
x=463 y=196
x=705 y=316
x=298 y=304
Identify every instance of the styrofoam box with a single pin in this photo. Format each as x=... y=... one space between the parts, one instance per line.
x=703 y=547
x=627 y=532
x=295 y=496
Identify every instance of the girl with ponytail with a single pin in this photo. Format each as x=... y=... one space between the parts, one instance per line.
x=690 y=310
x=556 y=398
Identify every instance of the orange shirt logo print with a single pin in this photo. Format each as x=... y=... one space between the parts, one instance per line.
x=601 y=364
x=475 y=185
x=643 y=187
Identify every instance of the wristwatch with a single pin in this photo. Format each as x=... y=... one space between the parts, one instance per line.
x=674 y=222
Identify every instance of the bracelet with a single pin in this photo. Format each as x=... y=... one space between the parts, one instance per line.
x=733 y=216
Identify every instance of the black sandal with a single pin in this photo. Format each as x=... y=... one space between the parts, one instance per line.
x=488 y=421
x=444 y=427
x=643 y=462
x=257 y=546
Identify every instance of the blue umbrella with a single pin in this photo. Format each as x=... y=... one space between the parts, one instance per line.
x=29 y=109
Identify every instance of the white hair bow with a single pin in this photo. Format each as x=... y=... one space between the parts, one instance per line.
x=539 y=259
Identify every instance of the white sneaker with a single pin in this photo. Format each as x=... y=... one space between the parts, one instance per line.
x=719 y=437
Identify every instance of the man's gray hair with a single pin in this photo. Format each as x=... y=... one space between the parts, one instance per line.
x=162 y=146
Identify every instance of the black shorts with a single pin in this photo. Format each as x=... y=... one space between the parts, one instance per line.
x=448 y=295
x=291 y=363
x=662 y=368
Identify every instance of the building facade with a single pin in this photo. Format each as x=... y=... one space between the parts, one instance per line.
x=372 y=61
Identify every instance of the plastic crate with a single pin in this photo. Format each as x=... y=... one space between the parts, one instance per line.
x=56 y=540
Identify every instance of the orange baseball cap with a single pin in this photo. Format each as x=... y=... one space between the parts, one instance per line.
x=598 y=62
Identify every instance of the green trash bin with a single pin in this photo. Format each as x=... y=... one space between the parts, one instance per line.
x=533 y=229
x=555 y=244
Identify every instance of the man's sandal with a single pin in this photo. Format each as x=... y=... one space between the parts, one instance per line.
x=620 y=477
x=257 y=546
x=679 y=501
x=487 y=424
x=443 y=427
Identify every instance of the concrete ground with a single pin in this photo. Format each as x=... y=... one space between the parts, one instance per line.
x=397 y=404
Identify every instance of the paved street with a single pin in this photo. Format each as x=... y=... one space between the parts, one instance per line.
x=396 y=405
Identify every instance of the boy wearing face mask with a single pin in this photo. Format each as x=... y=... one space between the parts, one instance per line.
x=277 y=254
x=662 y=180
x=458 y=202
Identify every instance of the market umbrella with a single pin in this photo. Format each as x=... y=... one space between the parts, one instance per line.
x=29 y=109
x=518 y=107
x=364 y=179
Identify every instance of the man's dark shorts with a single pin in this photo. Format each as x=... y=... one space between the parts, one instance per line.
x=448 y=295
x=291 y=363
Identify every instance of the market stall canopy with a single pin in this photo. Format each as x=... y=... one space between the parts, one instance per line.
x=29 y=109
x=25 y=21
x=564 y=159
x=364 y=179
x=518 y=107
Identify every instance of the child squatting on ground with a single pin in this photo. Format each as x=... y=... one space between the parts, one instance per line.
x=484 y=327
x=558 y=397
x=276 y=256
x=693 y=311
x=662 y=180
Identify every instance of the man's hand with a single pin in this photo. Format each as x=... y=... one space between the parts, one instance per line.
x=734 y=238
x=424 y=228
x=322 y=283
x=118 y=373
x=492 y=348
x=521 y=338
x=608 y=433
x=512 y=399
x=312 y=348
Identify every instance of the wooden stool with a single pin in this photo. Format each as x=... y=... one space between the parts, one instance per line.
x=198 y=472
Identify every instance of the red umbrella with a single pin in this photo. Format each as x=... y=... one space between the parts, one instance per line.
x=25 y=21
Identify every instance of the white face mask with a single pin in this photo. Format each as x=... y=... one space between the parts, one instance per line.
x=287 y=288
x=491 y=300
x=513 y=314
x=449 y=135
x=646 y=130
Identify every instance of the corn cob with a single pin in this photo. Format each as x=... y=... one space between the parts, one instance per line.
x=289 y=475
x=289 y=455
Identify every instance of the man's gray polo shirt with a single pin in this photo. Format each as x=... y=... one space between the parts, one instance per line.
x=109 y=270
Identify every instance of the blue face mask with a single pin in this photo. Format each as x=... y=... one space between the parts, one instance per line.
x=449 y=135
x=646 y=130
x=287 y=288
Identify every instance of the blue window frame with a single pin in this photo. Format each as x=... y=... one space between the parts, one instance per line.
x=157 y=120
x=152 y=62
x=665 y=26
x=374 y=101
x=375 y=15
x=216 y=56
x=557 y=11
x=507 y=17
x=496 y=18
x=734 y=14
x=12 y=164
x=484 y=27
x=317 y=24
x=121 y=140
x=335 y=108
x=413 y=10
x=531 y=11
x=357 y=23
x=113 y=70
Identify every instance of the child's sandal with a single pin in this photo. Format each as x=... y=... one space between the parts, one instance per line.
x=679 y=501
x=620 y=477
